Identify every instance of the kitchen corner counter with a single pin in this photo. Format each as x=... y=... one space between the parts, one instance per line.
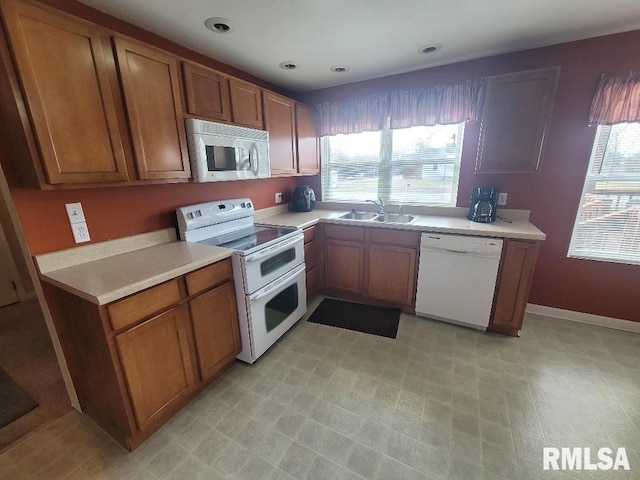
x=455 y=223
x=111 y=277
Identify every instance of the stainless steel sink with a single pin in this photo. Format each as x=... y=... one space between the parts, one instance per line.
x=353 y=215
x=394 y=218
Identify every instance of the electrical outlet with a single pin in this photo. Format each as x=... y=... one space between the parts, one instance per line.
x=502 y=198
x=75 y=213
x=80 y=232
x=279 y=197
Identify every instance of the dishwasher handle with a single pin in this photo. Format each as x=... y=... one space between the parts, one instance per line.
x=465 y=253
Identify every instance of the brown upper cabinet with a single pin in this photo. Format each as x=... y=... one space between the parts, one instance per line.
x=279 y=121
x=207 y=92
x=308 y=145
x=151 y=85
x=515 y=121
x=246 y=104
x=64 y=69
x=91 y=108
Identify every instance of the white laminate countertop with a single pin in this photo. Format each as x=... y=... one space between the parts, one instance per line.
x=113 y=277
x=107 y=271
x=454 y=224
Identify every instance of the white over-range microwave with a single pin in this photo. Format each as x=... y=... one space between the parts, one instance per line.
x=220 y=152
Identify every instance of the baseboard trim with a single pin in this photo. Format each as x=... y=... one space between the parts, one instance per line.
x=599 y=320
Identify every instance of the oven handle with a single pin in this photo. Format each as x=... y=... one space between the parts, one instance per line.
x=288 y=278
x=269 y=251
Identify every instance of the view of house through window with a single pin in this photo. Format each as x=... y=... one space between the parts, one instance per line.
x=401 y=166
x=608 y=221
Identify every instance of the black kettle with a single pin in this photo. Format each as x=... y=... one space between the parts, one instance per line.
x=304 y=199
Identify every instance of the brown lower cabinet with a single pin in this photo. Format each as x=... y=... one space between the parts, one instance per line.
x=379 y=265
x=391 y=273
x=514 y=283
x=312 y=260
x=371 y=264
x=159 y=342
x=137 y=361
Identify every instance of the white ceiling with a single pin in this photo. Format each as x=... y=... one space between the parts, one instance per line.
x=374 y=38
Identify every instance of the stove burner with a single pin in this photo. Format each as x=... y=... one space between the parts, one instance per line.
x=249 y=238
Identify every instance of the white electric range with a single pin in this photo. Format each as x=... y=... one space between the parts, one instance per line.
x=268 y=268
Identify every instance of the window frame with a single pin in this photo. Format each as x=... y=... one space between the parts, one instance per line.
x=386 y=164
x=598 y=152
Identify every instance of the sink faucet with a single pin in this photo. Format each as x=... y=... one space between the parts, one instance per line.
x=380 y=204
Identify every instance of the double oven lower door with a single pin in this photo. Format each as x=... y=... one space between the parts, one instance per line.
x=271 y=294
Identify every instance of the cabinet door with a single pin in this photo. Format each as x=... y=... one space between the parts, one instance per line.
x=345 y=266
x=312 y=281
x=207 y=92
x=215 y=328
x=64 y=70
x=516 y=117
x=246 y=104
x=151 y=86
x=516 y=274
x=156 y=364
x=279 y=122
x=391 y=273
x=308 y=143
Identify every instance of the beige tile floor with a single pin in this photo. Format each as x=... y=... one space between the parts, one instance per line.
x=438 y=402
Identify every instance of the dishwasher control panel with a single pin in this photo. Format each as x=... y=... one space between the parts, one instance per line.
x=481 y=246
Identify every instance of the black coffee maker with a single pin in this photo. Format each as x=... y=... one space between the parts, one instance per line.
x=484 y=202
x=304 y=199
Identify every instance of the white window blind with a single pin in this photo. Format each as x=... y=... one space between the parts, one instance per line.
x=608 y=221
x=402 y=166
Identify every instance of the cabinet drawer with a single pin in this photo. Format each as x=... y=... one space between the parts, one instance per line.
x=390 y=236
x=141 y=305
x=208 y=277
x=344 y=232
x=309 y=234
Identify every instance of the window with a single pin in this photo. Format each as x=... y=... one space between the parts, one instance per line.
x=408 y=165
x=608 y=221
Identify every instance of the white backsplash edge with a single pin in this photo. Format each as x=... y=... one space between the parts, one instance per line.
x=270 y=212
x=420 y=210
x=71 y=257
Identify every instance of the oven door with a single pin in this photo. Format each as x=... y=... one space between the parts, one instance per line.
x=275 y=308
x=266 y=265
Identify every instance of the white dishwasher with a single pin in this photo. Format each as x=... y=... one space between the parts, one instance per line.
x=457 y=278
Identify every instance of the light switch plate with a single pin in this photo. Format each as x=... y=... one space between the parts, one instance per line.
x=80 y=232
x=75 y=213
x=502 y=198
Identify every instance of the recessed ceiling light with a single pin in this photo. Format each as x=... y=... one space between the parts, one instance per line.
x=217 y=24
x=288 y=65
x=339 y=68
x=430 y=48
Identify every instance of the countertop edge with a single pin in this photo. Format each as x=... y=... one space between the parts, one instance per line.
x=527 y=230
x=136 y=287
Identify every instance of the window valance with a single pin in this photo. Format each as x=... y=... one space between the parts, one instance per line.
x=363 y=114
x=617 y=100
x=442 y=104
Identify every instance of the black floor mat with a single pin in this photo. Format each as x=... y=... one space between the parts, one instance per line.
x=355 y=316
x=15 y=402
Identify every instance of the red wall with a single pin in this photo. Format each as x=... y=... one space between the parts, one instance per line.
x=553 y=192
x=114 y=212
